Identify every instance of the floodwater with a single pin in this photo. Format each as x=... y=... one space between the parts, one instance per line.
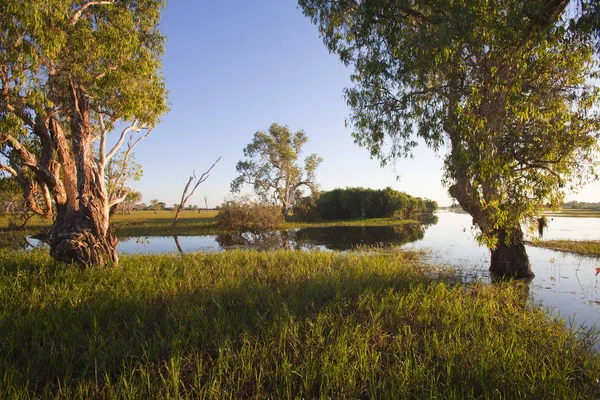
x=565 y=283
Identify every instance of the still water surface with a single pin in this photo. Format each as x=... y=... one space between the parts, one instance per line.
x=564 y=282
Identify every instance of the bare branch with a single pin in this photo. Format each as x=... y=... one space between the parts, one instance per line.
x=84 y=7
x=28 y=158
x=102 y=150
x=8 y=169
x=202 y=178
x=184 y=196
x=117 y=146
x=117 y=200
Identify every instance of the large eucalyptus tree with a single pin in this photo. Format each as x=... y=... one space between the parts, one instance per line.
x=504 y=84
x=72 y=71
x=272 y=167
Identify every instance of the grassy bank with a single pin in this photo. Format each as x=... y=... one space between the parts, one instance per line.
x=149 y=223
x=582 y=247
x=579 y=213
x=276 y=325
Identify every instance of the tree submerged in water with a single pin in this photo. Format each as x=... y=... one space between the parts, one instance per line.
x=71 y=73
x=504 y=84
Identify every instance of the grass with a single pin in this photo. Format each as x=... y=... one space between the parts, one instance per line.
x=245 y=324
x=582 y=247
x=149 y=223
x=579 y=213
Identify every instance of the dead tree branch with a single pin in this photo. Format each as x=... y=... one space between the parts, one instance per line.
x=195 y=181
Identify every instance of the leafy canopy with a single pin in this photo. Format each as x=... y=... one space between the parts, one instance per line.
x=56 y=55
x=504 y=84
x=271 y=166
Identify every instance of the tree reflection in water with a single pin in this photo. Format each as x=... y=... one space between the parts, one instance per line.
x=332 y=238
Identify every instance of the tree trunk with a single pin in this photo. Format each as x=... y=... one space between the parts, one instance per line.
x=176 y=219
x=81 y=232
x=76 y=237
x=510 y=260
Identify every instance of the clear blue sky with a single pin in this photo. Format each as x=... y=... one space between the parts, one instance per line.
x=233 y=67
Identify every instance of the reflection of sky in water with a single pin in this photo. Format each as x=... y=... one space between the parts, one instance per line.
x=563 y=281
x=166 y=244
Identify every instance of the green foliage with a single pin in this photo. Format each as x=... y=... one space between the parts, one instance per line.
x=506 y=84
x=277 y=325
x=351 y=203
x=119 y=170
x=306 y=210
x=70 y=73
x=248 y=216
x=271 y=167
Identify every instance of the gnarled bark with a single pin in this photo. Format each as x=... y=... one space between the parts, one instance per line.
x=76 y=237
x=81 y=232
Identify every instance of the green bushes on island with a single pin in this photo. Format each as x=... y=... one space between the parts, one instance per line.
x=352 y=203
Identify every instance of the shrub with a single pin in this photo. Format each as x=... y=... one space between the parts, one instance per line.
x=352 y=203
x=305 y=208
x=248 y=216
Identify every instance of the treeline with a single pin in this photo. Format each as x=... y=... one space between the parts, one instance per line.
x=351 y=203
x=579 y=205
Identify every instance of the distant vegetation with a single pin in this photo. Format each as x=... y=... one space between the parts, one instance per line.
x=271 y=165
x=353 y=203
x=579 y=205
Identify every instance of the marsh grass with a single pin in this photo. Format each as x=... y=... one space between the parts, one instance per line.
x=578 y=213
x=191 y=223
x=246 y=324
x=581 y=247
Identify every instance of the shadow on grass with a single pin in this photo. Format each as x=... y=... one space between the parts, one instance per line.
x=274 y=325
x=62 y=341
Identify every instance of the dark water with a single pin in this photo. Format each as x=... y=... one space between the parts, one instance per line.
x=340 y=238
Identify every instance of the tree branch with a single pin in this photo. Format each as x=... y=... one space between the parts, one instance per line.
x=117 y=146
x=185 y=198
x=84 y=7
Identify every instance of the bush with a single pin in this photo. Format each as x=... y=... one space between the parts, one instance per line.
x=248 y=216
x=353 y=203
x=305 y=209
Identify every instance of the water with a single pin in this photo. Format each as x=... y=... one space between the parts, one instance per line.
x=332 y=238
x=564 y=282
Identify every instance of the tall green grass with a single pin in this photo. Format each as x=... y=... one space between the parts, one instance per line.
x=581 y=247
x=245 y=324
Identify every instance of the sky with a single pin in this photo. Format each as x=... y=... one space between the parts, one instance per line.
x=234 y=67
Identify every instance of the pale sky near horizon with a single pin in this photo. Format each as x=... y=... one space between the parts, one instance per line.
x=234 y=67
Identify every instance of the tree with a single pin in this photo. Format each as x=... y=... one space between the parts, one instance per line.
x=71 y=72
x=11 y=198
x=154 y=205
x=504 y=84
x=120 y=169
x=192 y=184
x=131 y=199
x=271 y=166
